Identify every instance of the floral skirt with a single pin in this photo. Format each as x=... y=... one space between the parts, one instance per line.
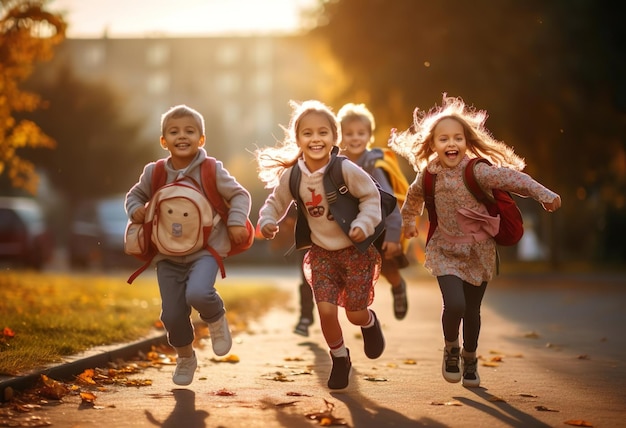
x=344 y=277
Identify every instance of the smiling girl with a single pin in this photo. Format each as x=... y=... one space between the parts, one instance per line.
x=339 y=273
x=442 y=141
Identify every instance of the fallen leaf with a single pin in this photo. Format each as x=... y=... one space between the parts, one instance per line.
x=7 y=332
x=375 y=379
x=224 y=393
x=232 y=358
x=531 y=335
x=410 y=362
x=287 y=403
x=88 y=397
x=298 y=394
x=495 y=398
x=447 y=403
x=545 y=409
x=325 y=417
x=584 y=357
x=489 y=364
x=578 y=423
x=525 y=394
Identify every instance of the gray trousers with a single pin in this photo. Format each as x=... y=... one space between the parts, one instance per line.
x=184 y=286
x=461 y=301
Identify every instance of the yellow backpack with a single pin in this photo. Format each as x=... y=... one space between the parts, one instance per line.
x=386 y=159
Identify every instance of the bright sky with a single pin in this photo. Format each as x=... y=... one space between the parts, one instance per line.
x=139 y=18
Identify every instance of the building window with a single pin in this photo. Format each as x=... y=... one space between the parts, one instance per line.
x=228 y=54
x=157 y=54
x=227 y=83
x=94 y=56
x=158 y=83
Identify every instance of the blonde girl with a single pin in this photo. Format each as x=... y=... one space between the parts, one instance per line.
x=442 y=141
x=339 y=273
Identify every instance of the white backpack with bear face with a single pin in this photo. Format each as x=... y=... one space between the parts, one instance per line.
x=182 y=218
x=179 y=219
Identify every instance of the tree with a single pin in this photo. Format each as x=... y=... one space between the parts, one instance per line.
x=100 y=151
x=28 y=34
x=551 y=75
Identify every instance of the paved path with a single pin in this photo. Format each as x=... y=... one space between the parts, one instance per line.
x=572 y=364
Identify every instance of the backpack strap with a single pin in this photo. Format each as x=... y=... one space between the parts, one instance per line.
x=302 y=232
x=469 y=178
x=158 y=180
x=428 y=185
x=159 y=176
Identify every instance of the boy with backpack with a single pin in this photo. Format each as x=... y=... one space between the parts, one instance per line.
x=357 y=129
x=187 y=280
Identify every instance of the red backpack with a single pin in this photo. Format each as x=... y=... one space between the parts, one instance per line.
x=147 y=239
x=501 y=204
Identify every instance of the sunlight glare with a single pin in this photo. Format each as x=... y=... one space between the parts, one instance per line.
x=145 y=18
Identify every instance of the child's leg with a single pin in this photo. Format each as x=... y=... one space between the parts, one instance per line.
x=471 y=318
x=202 y=295
x=391 y=272
x=331 y=328
x=175 y=316
x=175 y=310
x=471 y=330
x=453 y=310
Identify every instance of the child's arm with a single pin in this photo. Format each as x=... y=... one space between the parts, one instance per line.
x=363 y=188
x=275 y=207
x=139 y=195
x=413 y=207
x=237 y=197
x=517 y=182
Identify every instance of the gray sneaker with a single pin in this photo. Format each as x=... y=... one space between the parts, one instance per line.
x=220 y=336
x=185 y=368
x=470 y=373
x=450 y=367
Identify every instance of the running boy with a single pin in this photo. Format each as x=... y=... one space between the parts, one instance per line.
x=187 y=282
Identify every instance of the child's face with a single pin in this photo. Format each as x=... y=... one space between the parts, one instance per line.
x=182 y=138
x=355 y=136
x=449 y=142
x=315 y=138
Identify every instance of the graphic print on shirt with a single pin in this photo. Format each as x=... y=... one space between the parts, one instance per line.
x=314 y=207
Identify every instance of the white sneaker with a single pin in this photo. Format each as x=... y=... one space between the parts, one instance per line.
x=220 y=336
x=185 y=368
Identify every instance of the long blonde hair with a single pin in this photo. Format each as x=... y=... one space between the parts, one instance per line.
x=272 y=161
x=414 y=144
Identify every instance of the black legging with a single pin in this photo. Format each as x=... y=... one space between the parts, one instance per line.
x=461 y=300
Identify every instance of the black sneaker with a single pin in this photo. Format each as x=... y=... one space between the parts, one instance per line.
x=450 y=367
x=373 y=340
x=340 y=373
x=302 y=328
x=400 y=302
x=470 y=373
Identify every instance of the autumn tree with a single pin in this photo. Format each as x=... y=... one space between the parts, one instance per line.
x=28 y=34
x=550 y=74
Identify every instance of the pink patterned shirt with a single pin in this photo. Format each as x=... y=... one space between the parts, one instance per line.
x=473 y=262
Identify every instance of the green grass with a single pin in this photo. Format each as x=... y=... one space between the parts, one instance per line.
x=44 y=317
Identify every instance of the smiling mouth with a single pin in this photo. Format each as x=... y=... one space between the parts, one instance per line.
x=182 y=145
x=452 y=153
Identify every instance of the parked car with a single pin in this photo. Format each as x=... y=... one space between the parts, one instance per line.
x=97 y=234
x=25 y=238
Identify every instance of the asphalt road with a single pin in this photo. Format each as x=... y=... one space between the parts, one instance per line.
x=552 y=352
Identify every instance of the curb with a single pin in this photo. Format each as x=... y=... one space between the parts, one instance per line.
x=98 y=357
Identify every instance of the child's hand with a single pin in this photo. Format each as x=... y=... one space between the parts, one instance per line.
x=139 y=215
x=552 y=206
x=391 y=249
x=410 y=231
x=238 y=234
x=269 y=231
x=357 y=234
